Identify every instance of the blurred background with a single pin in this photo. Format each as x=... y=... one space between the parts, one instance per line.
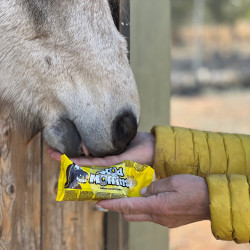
x=210 y=80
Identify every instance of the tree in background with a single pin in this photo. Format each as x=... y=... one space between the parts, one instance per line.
x=181 y=11
x=216 y=11
x=228 y=11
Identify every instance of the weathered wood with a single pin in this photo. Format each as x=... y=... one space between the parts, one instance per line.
x=20 y=188
x=67 y=225
x=116 y=232
x=150 y=59
x=30 y=218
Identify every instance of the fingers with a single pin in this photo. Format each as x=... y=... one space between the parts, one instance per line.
x=54 y=154
x=141 y=150
x=138 y=217
x=134 y=205
x=156 y=187
x=88 y=160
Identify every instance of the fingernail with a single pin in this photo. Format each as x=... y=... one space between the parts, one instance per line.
x=143 y=191
x=100 y=208
x=97 y=205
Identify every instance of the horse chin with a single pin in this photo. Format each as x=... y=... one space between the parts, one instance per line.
x=63 y=136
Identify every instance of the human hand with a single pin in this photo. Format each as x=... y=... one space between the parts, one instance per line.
x=171 y=202
x=140 y=150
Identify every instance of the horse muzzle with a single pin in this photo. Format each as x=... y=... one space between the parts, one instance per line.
x=75 y=140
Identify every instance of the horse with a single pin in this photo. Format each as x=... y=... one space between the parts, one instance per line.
x=64 y=72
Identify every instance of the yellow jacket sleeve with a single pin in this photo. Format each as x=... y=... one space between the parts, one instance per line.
x=224 y=160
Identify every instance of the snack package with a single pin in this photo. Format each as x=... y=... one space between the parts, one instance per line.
x=98 y=183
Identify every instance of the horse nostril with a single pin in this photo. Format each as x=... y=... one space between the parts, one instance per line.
x=63 y=136
x=124 y=129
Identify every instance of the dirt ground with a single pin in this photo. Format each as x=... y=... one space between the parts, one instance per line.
x=227 y=111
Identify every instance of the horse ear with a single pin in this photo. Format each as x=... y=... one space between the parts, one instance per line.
x=68 y=175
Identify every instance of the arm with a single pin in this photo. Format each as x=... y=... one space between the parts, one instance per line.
x=222 y=159
x=189 y=151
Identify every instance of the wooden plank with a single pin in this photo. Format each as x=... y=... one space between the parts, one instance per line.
x=67 y=225
x=150 y=60
x=20 y=188
x=116 y=232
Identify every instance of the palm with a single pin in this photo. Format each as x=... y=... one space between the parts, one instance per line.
x=140 y=150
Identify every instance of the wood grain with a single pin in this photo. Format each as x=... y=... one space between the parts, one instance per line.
x=30 y=218
x=150 y=61
x=20 y=188
x=67 y=225
x=116 y=232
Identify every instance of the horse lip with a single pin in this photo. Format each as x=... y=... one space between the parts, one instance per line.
x=84 y=149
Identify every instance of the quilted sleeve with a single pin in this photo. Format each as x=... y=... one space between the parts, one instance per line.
x=229 y=207
x=189 y=151
x=224 y=160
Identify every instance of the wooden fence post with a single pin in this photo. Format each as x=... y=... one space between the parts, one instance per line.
x=67 y=225
x=150 y=60
x=20 y=188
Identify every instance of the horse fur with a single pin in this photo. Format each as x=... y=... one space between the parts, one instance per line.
x=65 y=61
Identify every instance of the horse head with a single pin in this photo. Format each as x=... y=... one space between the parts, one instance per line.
x=64 y=71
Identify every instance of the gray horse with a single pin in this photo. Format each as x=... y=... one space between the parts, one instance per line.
x=64 y=71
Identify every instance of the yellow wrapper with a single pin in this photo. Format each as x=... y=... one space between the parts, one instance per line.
x=98 y=183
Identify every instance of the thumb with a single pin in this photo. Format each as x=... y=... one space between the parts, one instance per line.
x=157 y=187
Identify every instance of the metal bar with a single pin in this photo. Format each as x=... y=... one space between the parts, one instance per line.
x=124 y=21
